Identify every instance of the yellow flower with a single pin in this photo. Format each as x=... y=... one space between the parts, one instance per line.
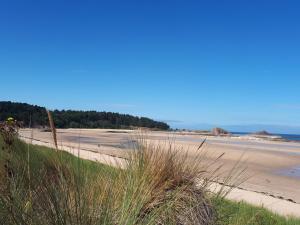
x=10 y=120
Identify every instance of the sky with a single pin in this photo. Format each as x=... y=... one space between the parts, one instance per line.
x=192 y=64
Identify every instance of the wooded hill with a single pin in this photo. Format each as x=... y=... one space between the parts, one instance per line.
x=73 y=118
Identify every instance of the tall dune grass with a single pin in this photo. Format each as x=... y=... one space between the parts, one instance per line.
x=159 y=184
x=155 y=188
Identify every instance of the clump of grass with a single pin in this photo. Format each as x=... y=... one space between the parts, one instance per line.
x=163 y=181
x=160 y=184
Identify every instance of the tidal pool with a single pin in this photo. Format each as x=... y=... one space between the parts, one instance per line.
x=291 y=172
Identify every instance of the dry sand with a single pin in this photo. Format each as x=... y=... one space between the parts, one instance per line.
x=273 y=181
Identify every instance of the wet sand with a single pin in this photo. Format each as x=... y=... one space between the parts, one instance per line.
x=273 y=167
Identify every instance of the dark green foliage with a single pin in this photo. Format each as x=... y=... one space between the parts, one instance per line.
x=74 y=119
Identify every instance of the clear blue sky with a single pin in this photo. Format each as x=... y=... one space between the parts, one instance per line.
x=187 y=62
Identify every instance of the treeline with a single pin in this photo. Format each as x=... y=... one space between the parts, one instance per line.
x=36 y=116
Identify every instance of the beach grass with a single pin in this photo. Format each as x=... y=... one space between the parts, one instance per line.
x=155 y=188
x=238 y=213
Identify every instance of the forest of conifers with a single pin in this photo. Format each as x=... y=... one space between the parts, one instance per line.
x=36 y=116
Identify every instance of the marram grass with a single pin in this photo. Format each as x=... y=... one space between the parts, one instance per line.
x=157 y=187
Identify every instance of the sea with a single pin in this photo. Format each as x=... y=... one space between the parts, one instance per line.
x=289 y=137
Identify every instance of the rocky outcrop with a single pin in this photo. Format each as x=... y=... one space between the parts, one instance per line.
x=219 y=132
x=263 y=132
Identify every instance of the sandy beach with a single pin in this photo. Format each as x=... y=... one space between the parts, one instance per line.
x=272 y=167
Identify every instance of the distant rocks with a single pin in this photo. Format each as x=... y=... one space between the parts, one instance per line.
x=263 y=132
x=264 y=135
x=219 y=132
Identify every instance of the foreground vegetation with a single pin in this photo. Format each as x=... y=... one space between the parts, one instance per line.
x=39 y=185
x=241 y=213
x=45 y=186
x=32 y=115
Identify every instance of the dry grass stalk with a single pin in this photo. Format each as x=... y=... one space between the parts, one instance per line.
x=53 y=129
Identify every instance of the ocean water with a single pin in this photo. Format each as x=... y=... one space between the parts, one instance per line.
x=290 y=137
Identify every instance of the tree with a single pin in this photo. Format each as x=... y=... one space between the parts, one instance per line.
x=74 y=119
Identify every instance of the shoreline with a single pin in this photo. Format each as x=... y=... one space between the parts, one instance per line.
x=246 y=136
